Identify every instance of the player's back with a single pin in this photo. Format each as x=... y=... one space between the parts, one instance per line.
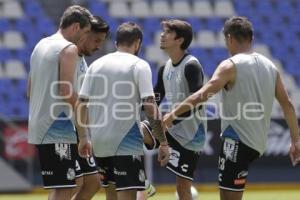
x=116 y=114
x=248 y=104
x=44 y=96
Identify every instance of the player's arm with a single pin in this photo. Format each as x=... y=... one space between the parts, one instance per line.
x=290 y=117
x=193 y=73
x=67 y=62
x=144 y=81
x=159 y=89
x=224 y=75
x=81 y=117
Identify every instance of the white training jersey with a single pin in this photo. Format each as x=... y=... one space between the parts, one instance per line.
x=115 y=85
x=49 y=116
x=246 y=109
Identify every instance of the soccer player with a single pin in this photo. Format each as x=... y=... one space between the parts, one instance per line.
x=113 y=88
x=87 y=177
x=181 y=76
x=51 y=98
x=249 y=82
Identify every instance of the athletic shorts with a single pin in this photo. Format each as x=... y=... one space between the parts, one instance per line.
x=125 y=172
x=182 y=161
x=85 y=166
x=234 y=161
x=57 y=165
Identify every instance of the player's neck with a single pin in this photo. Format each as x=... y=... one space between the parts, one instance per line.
x=176 y=56
x=66 y=34
x=243 y=48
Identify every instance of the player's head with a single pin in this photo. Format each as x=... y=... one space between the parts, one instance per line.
x=129 y=35
x=95 y=38
x=176 y=33
x=237 y=31
x=78 y=20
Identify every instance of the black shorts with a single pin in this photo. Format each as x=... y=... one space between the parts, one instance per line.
x=57 y=165
x=85 y=166
x=125 y=172
x=182 y=161
x=234 y=161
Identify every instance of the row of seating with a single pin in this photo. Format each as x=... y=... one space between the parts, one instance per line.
x=162 y=8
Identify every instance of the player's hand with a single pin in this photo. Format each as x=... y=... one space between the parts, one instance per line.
x=85 y=147
x=163 y=154
x=167 y=121
x=295 y=153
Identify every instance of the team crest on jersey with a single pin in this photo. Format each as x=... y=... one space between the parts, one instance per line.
x=63 y=151
x=170 y=75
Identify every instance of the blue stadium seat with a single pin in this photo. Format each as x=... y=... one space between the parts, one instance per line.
x=4 y=25
x=24 y=25
x=152 y=24
x=33 y=9
x=5 y=54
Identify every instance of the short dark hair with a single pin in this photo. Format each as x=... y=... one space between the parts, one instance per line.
x=98 y=25
x=75 y=14
x=239 y=27
x=182 y=29
x=128 y=33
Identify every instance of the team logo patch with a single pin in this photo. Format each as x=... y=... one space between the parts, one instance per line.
x=63 y=150
x=174 y=158
x=239 y=181
x=71 y=174
x=142 y=176
x=91 y=162
x=230 y=149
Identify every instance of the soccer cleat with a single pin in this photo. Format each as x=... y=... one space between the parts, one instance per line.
x=150 y=190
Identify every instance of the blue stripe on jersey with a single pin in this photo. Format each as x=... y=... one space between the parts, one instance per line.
x=230 y=133
x=132 y=143
x=198 y=141
x=60 y=130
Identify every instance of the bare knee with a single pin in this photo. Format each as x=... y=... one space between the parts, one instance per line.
x=183 y=187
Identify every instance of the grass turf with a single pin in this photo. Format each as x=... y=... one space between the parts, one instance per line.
x=248 y=195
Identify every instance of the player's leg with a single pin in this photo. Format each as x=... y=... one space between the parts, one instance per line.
x=182 y=163
x=129 y=175
x=106 y=170
x=88 y=178
x=234 y=161
x=58 y=169
x=110 y=192
x=183 y=187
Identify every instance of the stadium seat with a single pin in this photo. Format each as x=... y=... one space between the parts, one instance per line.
x=161 y=8
x=154 y=54
x=118 y=9
x=12 y=9
x=14 y=69
x=4 y=25
x=223 y=8
x=202 y=8
x=181 y=8
x=13 y=40
x=140 y=9
x=5 y=54
x=206 y=39
x=262 y=49
x=220 y=40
